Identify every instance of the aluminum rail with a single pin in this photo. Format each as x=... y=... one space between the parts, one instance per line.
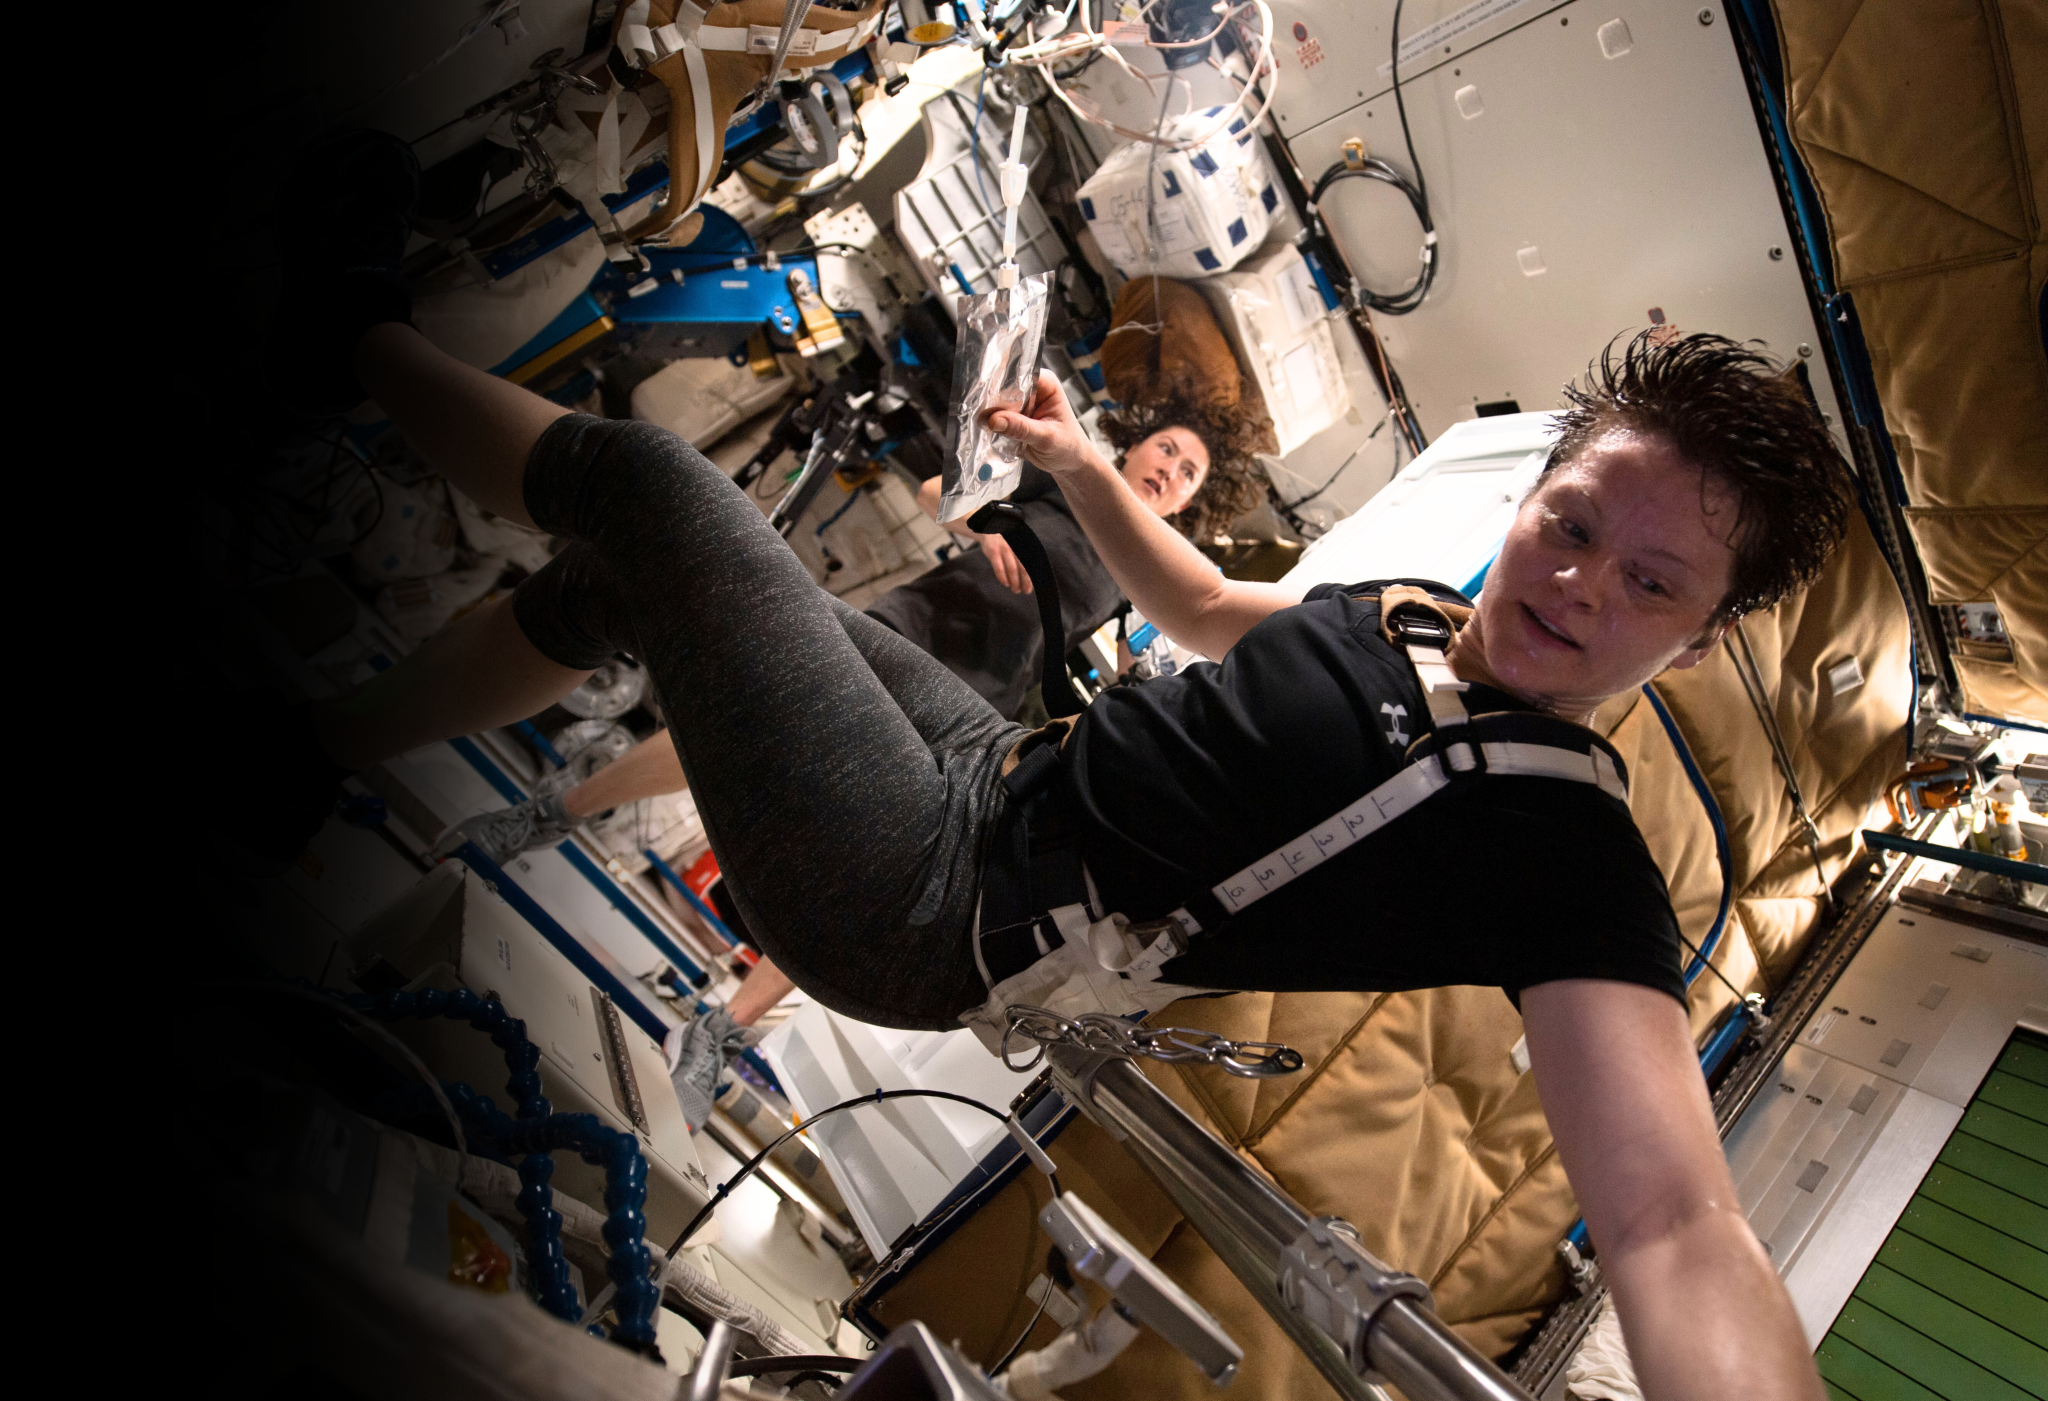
x=1255 y=1228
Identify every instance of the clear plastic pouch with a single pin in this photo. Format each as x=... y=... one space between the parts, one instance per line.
x=996 y=367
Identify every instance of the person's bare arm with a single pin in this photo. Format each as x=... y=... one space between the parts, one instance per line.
x=1001 y=558
x=647 y=770
x=1170 y=581
x=1701 y=1306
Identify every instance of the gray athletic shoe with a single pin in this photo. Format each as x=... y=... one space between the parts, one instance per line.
x=708 y=1043
x=523 y=827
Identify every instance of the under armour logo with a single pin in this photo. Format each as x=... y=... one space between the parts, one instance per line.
x=1395 y=714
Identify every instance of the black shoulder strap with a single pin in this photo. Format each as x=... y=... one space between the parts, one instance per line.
x=1001 y=518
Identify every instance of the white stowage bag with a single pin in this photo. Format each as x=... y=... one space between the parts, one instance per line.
x=413 y=538
x=702 y=399
x=1601 y=1370
x=1211 y=206
x=419 y=608
x=1279 y=326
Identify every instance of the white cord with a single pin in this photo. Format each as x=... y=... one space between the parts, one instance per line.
x=1061 y=47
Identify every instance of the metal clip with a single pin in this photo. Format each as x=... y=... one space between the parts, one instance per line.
x=1334 y=1282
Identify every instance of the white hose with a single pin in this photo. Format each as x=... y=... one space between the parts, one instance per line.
x=1075 y=1355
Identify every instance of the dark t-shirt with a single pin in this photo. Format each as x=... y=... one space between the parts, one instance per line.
x=987 y=636
x=1505 y=881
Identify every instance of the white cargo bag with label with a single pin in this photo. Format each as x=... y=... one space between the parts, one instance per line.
x=1279 y=326
x=1211 y=206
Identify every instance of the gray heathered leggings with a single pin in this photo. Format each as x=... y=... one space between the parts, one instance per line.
x=848 y=781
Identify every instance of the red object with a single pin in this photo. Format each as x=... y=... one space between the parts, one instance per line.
x=702 y=875
x=1300 y=33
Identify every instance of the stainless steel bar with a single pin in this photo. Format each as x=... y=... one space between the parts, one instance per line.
x=1249 y=1222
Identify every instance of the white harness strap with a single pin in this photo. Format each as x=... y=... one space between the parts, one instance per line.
x=1409 y=787
x=1106 y=965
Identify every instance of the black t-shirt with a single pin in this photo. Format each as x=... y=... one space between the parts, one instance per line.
x=987 y=636
x=1502 y=880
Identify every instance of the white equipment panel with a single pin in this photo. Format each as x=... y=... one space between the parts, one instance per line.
x=1444 y=517
x=1283 y=336
x=1835 y=1145
x=1333 y=53
x=897 y=1161
x=1573 y=192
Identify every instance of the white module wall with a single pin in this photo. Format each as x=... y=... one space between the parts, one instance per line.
x=1333 y=53
x=1576 y=195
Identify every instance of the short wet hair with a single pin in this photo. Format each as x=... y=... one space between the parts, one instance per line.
x=1736 y=413
x=1233 y=434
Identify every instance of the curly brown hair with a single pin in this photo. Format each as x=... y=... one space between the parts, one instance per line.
x=1733 y=412
x=1233 y=433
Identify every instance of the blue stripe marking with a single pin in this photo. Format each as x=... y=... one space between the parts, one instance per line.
x=1088 y=209
x=623 y=903
x=1478 y=581
x=540 y=741
x=1237 y=232
x=1172 y=185
x=1268 y=198
x=1203 y=162
x=704 y=911
x=566 y=943
x=620 y=901
x=1706 y=794
x=493 y=775
x=1207 y=259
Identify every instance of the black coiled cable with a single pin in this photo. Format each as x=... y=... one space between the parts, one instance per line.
x=1373 y=168
x=1417 y=190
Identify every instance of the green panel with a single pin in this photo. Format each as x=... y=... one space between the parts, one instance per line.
x=2026 y=1060
x=1981 y=1201
x=1952 y=1325
x=1942 y=1370
x=1834 y=1392
x=1999 y=1166
x=1978 y=1243
x=1850 y=1371
x=1978 y=1290
x=2022 y=1097
x=2008 y=1130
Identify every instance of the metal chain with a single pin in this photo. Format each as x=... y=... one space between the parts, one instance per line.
x=1113 y=1036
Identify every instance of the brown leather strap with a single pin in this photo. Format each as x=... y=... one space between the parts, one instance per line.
x=1454 y=615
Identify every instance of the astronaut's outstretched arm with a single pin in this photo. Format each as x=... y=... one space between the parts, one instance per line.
x=1170 y=581
x=1701 y=1305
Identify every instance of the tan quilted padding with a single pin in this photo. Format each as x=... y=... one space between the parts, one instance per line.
x=1925 y=126
x=1408 y=1118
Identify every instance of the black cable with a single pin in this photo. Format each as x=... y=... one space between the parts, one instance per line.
x=1011 y=1355
x=753 y=1164
x=1421 y=185
x=1416 y=190
x=1373 y=168
x=1303 y=501
x=794 y=1362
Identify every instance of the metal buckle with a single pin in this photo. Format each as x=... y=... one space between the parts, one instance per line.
x=1411 y=623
